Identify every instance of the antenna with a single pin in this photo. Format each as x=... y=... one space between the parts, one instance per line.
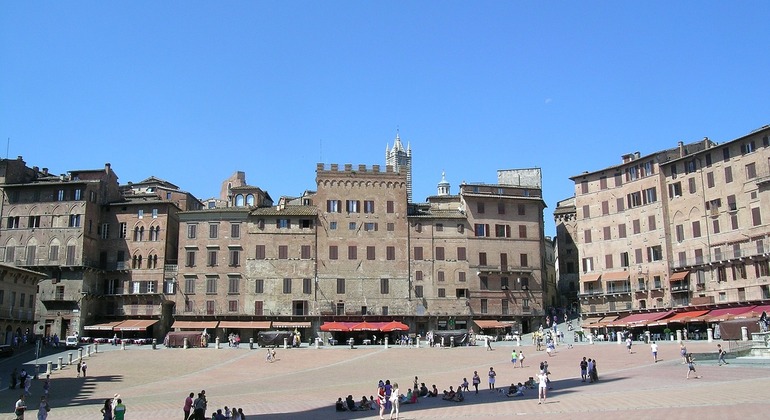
x=7 y=147
x=320 y=150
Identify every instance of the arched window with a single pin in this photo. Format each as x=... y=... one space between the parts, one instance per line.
x=134 y=262
x=154 y=261
x=136 y=234
x=250 y=200
x=239 y=200
x=139 y=264
x=141 y=233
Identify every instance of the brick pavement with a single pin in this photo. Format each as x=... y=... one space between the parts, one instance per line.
x=304 y=383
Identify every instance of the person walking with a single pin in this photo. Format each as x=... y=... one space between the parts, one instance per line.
x=521 y=358
x=683 y=352
x=542 y=387
x=514 y=358
x=628 y=344
x=721 y=353
x=691 y=366
x=79 y=367
x=120 y=410
x=20 y=408
x=83 y=368
x=583 y=370
x=43 y=409
x=654 y=348
x=476 y=381
x=188 y=402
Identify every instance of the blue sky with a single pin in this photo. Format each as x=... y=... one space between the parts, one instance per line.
x=193 y=91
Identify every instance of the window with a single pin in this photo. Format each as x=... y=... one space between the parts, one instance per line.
x=734 y=221
x=104 y=229
x=353 y=206
x=212 y=260
x=74 y=220
x=439 y=227
x=190 y=262
x=260 y=252
x=232 y=305
x=634 y=199
x=189 y=285
x=603 y=183
x=503 y=261
x=728 y=174
x=484 y=306
x=586 y=211
x=211 y=285
x=418 y=253
x=605 y=208
x=418 y=291
x=305 y=223
x=461 y=253
x=756 y=216
x=154 y=213
x=715 y=225
x=191 y=231
x=368 y=206
x=210 y=307
x=235 y=258
x=522 y=231
x=588 y=264
x=748 y=147
x=480 y=208
x=622 y=230
x=607 y=233
x=654 y=253
x=679 y=233
x=390 y=206
x=651 y=195
x=391 y=227
x=233 y=285
x=352 y=252
x=481 y=229
x=710 y=180
x=584 y=187
x=587 y=236
x=340 y=286
x=283 y=224
x=461 y=276
x=286 y=286
x=418 y=227
x=500 y=207
x=332 y=225
x=637 y=226
x=53 y=253
x=307 y=286
x=751 y=171
x=333 y=206
x=370 y=226
x=140 y=213
x=696 y=229
x=259 y=286
x=352 y=226
x=523 y=259
x=440 y=276
x=213 y=230
x=483 y=283
x=439 y=253
x=441 y=292
x=391 y=253
x=235 y=230
x=418 y=275
x=482 y=258
x=384 y=286
x=60 y=195
x=304 y=252
x=283 y=252
x=521 y=209
x=122 y=230
x=650 y=223
x=691 y=185
x=333 y=252
x=624 y=261
x=675 y=190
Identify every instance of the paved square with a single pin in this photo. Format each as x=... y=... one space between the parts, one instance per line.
x=304 y=383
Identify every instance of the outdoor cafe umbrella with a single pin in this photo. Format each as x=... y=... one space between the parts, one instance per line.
x=364 y=326
x=394 y=326
x=334 y=326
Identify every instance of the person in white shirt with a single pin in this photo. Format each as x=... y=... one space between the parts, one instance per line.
x=542 y=379
x=654 y=348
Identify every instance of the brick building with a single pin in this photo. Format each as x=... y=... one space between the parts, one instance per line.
x=677 y=229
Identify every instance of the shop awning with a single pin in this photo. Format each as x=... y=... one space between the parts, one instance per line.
x=683 y=317
x=639 y=320
x=394 y=326
x=291 y=324
x=195 y=325
x=604 y=322
x=365 y=326
x=615 y=276
x=678 y=276
x=723 y=314
x=107 y=326
x=490 y=323
x=337 y=326
x=590 y=277
x=755 y=312
x=588 y=321
x=246 y=325
x=135 y=324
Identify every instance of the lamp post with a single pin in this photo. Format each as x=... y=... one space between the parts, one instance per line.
x=37 y=357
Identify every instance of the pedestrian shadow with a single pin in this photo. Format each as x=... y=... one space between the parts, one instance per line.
x=77 y=391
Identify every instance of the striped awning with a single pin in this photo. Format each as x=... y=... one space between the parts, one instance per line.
x=291 y=324
x=107 y=326
x=195 y=325
x=135 y=324
x=246 y=325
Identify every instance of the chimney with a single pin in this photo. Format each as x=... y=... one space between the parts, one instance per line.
x=35 y=169
x=45 y=171
x=681 y=149
x=107 y=167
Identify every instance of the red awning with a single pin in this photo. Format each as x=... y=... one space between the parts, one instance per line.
x=195 y=325
x=718 y=315
x=135 y=324
x=639 y=320
x=683 y=317
x=489 y=323
x=337 y=326
x=108 y=326
x=365 y=326
x=679 y=276
x=246 y=325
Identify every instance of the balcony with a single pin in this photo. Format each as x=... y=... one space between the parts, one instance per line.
x=51 y=296
x=619 y=290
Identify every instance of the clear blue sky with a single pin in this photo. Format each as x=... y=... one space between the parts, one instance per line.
x=193 y=91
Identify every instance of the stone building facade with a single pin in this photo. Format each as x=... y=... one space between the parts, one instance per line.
x=668 y=230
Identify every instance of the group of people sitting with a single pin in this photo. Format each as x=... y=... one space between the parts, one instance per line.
x=349 y=404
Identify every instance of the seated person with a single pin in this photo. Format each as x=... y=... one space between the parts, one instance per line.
x=351 y=403
x=515 y=390
x=413 y=400
x=433 y=392
x=458 y=396
x=423 y=390
x=449 y=395
x=530 y=383
x=340 y=405
x=364 y=404
x=405 y=399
